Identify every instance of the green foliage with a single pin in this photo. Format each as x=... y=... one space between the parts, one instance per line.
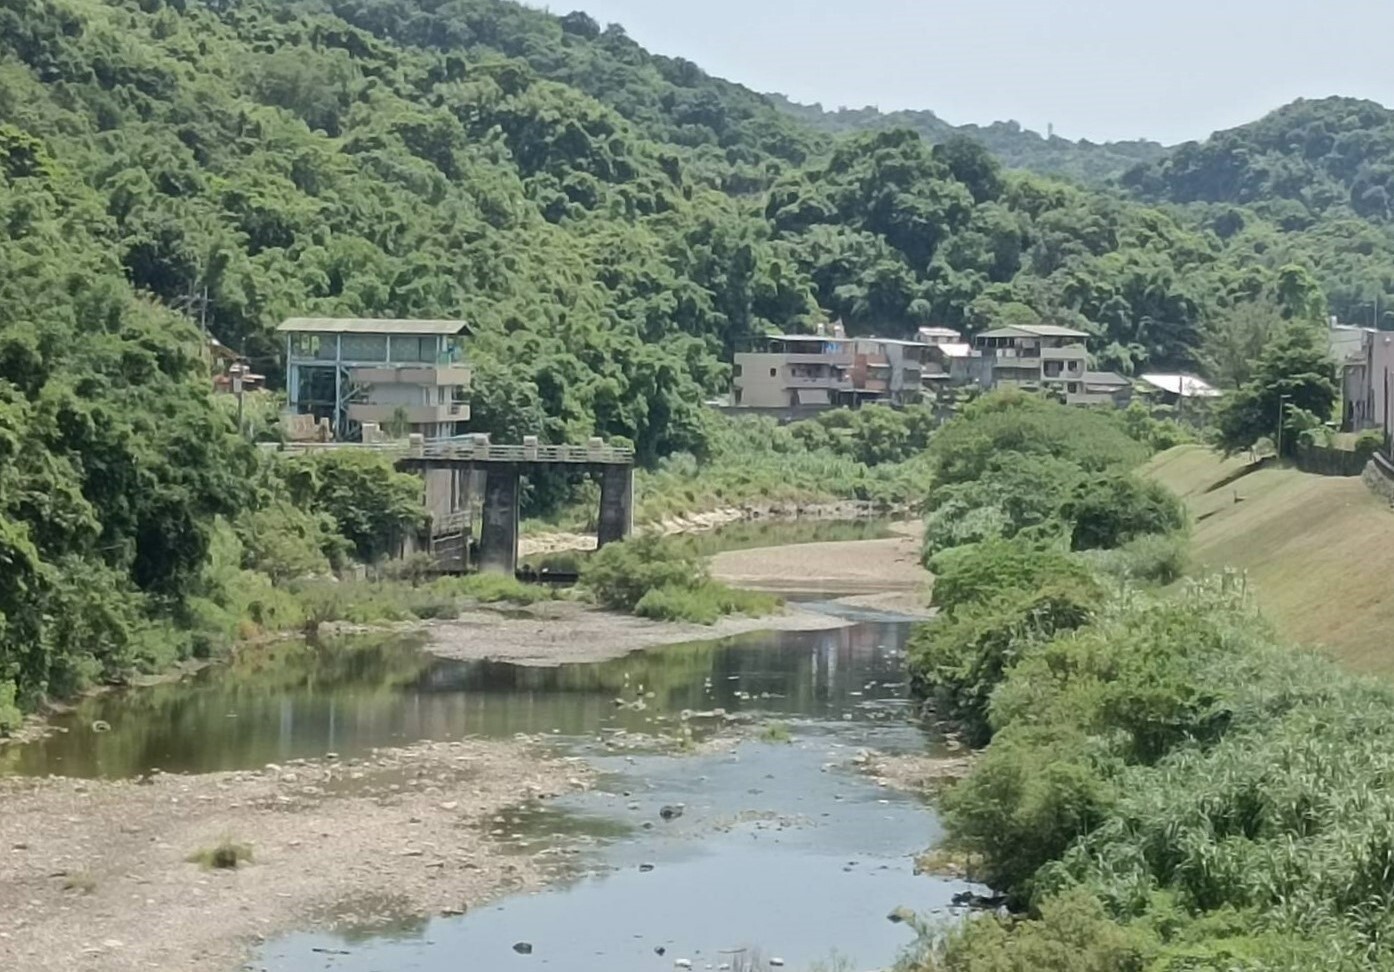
x=1110 y=510
x=371 y=504
x=1168 y=776
x=619 y=575
x=976 y=575
x=1017 y=148
x=1322 y=155
x=1155 y=559
x=1293 y=379
x=226 y=854
x=664 y=579
x=960 y=661
x=705 y=603
x=284 y=542
x=1011 y=422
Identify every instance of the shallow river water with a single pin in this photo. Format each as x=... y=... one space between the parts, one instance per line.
x=782 y=849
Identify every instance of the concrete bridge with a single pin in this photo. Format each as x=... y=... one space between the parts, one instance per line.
x=462 y=470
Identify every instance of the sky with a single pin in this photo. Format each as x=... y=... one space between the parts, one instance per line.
x=1168 y=70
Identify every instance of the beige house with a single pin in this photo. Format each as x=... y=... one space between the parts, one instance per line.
x=795 y=371
x=357 y=371
x=1047 y=357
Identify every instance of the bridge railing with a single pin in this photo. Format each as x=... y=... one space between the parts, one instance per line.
x=470 y=450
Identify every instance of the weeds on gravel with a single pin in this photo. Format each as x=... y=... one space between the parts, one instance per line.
x=776 y=732
x=224 y=855
x=82 y=882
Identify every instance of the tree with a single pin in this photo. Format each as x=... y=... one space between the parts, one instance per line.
x=1294 y=372
x=1233 y=341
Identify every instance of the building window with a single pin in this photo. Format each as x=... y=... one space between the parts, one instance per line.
x=774 y=372
x=735 y=371
x=1073 y=387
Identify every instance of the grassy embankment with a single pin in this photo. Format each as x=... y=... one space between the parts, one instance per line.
x=1167 y=783
x=1315 y=549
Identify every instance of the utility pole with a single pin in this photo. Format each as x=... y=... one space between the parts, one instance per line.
x=1282 y=399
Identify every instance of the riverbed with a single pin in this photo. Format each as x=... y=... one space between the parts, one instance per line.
x=413 y=812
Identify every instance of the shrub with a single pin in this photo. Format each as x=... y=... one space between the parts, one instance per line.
x=705 y=603
x=1107 y=511
x=10 y=716
x=226 y=854
x=1152 y=559
x=981 y=573
x=1011 y=421
x=961 y=660
x=619 y=574
x=1369 y=442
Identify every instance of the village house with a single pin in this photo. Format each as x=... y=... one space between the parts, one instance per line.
x=1049 y=358
x=815 y=371
x=352 y=372
x=1364 y=362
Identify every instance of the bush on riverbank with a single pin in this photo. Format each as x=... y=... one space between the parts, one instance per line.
x=664 y=578
x=1013 y=464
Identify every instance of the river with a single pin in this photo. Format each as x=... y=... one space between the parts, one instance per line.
x=782 y=848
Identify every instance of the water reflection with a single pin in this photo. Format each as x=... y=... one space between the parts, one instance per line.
x=300 y=700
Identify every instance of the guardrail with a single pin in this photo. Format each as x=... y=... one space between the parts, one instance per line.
x=468 y=450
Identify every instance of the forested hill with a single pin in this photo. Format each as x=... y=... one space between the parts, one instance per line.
x=1090 y=163
x=1297 y=164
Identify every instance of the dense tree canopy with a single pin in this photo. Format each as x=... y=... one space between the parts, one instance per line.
x=613 y=225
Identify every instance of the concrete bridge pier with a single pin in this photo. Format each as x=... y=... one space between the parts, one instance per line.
x=616 y=504
x=498 y=536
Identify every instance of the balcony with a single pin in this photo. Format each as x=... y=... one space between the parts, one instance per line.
x=830 y=382
x=415 y=414
x=427 y=375
x=839 y=359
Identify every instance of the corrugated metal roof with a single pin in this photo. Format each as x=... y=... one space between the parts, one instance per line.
x=1105 y=378
x=371 y=325
x=1187 y=386
x=1034 y=330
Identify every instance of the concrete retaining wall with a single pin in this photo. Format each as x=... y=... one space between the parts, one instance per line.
x=1326 y=461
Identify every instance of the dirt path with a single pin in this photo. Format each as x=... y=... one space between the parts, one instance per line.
x=883 y=574
x=551 y=633
x=94 y=875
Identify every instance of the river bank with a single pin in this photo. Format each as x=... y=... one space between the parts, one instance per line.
x=560 y=541
x=95 y=875
x=553 y=632
x=389 y=837
x=884 y=575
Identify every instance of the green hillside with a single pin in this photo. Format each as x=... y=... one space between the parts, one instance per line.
x=1303 y=160
x=611 y=223
x=1090 y=163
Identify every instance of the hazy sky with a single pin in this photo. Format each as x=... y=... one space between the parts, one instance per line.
x=1170 y=70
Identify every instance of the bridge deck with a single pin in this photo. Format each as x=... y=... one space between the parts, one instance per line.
x=469 y=451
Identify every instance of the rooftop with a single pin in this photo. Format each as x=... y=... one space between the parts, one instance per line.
x=1111 y=378
x=806 y=338
x=956 y=349
x=1034 y=330
x=371 y=325
x=944 y=332
x=1186 y=386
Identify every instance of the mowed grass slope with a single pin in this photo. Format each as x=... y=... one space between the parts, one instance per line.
x=1318 y=550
